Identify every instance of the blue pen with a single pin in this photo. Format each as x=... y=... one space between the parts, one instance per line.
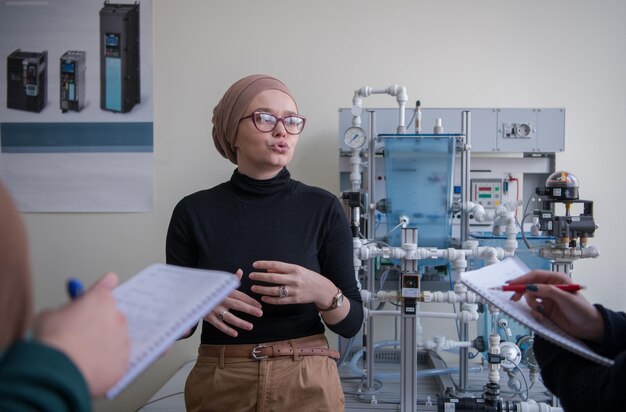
x=75 y=288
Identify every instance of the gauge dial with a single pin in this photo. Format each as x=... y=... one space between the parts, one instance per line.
x=355 y=137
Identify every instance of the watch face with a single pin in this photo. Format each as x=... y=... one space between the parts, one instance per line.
x=339 y=299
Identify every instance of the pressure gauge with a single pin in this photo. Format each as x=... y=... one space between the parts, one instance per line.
x=355 y=137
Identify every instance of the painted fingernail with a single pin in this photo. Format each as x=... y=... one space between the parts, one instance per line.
x=531 y=288
x=540 y=309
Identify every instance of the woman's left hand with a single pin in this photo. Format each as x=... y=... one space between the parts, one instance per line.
x=293 y=284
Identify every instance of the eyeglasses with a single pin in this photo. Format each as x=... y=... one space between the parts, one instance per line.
x=266 y=122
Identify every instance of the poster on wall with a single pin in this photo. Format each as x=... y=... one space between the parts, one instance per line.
x=76 y=111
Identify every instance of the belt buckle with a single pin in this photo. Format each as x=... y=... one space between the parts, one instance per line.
x=256 y=351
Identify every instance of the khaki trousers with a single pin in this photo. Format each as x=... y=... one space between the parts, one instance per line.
x=281 y=384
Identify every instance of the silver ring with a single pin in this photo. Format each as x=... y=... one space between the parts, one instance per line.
x=282 y=291
x=221 y=315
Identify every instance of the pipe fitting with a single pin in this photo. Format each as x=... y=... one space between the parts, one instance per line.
x=460 y=287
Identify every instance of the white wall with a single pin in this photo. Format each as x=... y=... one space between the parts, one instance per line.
x=448 y=53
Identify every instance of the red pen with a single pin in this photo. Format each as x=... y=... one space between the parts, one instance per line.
x=572 y=287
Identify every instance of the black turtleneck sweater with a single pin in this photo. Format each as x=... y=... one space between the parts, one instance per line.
x=244 y=220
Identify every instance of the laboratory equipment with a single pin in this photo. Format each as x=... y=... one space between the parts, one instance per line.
x=424 y=208
x=571 y=232
x=355 y=137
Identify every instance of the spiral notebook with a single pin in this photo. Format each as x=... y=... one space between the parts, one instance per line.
x=482 y=280
x=161 y=303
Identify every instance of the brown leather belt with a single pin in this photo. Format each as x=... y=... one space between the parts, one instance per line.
x=315 y=345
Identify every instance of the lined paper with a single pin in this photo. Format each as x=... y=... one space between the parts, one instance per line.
x=482 y=280
x=161 y=303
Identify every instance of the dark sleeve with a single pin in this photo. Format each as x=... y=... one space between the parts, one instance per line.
x=583 y=385
x=336 y=257
x=180 y=245
x=35 y=377
x=615 y=333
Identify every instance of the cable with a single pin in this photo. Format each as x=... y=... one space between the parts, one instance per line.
x=525 y=383
x=516 y=180
x=377 y=242
x=345 y=354
x=159 y=399
x=526 y=242
x=397 y=226
x=411 y=121
x=383 y=278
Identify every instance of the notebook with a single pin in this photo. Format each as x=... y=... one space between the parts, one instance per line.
x=161 y=303
x=482 y=280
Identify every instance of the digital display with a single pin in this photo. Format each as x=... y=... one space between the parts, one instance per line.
x=67 y=67
x=112 y=39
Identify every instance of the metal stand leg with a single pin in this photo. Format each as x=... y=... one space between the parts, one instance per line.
x=463 y=359
x=408 y=360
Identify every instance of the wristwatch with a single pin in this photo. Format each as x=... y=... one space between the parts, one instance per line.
x=337 y=301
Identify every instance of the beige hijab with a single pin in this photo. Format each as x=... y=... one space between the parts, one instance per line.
x=15 y=282
x=231 y=108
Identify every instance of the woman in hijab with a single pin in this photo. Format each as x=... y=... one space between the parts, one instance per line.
x=77 y=351
x=264 y=347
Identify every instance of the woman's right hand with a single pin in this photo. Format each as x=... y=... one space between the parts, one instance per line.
x=224 y=320
x=570 y=311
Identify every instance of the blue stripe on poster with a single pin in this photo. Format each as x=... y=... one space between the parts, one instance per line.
x=76 y=137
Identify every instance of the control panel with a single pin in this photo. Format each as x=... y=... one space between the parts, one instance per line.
x=486 y=192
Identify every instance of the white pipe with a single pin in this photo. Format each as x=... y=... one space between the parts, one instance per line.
x=510 y=245
x=449 y=297
x=482 y=215
x=410 y=252
x=355 y=170
x=441 y=343
x=366 y=91
x=494 y=349
x=464 y=315
x=387 y=296
x=491 y=255
x=533 y=406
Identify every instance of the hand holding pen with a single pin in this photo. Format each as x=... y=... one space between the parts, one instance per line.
x=554 y=295
x=91 y=331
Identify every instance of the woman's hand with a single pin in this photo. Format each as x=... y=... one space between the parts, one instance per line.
x=224 y=320
x=571 y=311
x=92 y=332
x=294 y=284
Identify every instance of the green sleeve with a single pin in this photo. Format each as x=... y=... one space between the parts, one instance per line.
x=35 y=377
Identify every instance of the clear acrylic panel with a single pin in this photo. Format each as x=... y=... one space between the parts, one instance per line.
x=419 y=180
